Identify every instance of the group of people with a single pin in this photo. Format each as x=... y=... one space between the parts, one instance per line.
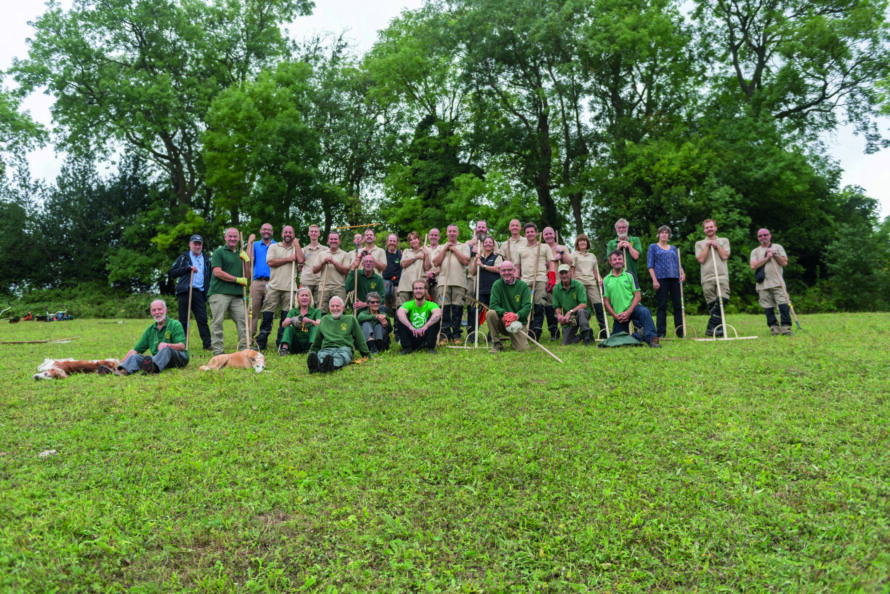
x=419 y=294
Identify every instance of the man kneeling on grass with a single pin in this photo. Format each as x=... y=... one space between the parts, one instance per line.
x=336 y=337
x=419 y=321
x=621 y=298
x=165 y=338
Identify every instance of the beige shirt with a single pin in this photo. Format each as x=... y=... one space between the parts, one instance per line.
x=532 y=259
x=452 y=273
x=282 y=278
x=313 y=256
x=707 y=268
x=413 y=271
x=434 y=251
x=557 y=257
x=772 y=279
x=510 y=248
x=335 y=280
x=585 y=266
x=378 y=252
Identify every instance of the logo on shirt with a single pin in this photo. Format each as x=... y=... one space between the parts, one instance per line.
x=417 y=319
x=516 y=298
x=343 y=326
x=167 y=336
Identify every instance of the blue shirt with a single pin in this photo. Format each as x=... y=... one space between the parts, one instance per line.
x=665 y=263
x=198 y=277
x=260 y=268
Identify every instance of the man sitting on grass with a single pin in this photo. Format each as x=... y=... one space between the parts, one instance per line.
x=165 y=338
x=300 y=325
x=621 y=298
x=336 y=338
x=511 y=303
x=419 y=321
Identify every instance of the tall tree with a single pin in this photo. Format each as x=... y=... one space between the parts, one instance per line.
x=18 y=132
x=142 y=73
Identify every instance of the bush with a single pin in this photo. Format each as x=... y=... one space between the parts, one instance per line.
x=92 y=300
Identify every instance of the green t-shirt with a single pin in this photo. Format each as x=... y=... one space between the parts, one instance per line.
x=566 y=299
x=419 y=315
x=619 y=290
x=629 y=263
x=171 y=332
x=230 y=262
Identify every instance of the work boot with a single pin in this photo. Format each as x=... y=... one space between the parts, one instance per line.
x=653 y=344
x=327 y=364
x=496 y=348
x=786 y=330
x=265 y=329
x=406 y=350
x=774 y=330
x=372 y=347
x=283 y=350
x=587 y=336
x=148 y=366
x=312 y=363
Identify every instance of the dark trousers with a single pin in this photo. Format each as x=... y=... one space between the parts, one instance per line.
x=474 y=313
x=411 y=342
x=537 y=326
x=199 y=308
x=552 y=324
x=452 y=316
x=670 y=287
x=600 y=318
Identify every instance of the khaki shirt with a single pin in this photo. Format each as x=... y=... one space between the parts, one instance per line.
x=335 y=280
x=556 y=256
x=283 y=277
x=413 y=271
x=510 y=248
x=585 y=266
x=452 y=273
x=707 y=268
x=434 y=251
x=772 y=280
x=378 y=252
x=313 y=256
x=529 y=257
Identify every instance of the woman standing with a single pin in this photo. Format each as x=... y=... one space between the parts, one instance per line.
x=663 y=262
x=487 y=263
x=586 y=271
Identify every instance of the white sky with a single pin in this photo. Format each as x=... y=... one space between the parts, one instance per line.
x=361 y=20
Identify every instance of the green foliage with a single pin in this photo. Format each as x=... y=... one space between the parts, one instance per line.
x=86 y=300
x=754 y=465
x=18 y=132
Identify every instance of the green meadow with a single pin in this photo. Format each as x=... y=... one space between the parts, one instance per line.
x=755 y=465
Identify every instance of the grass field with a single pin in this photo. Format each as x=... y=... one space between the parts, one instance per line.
x=748 y=465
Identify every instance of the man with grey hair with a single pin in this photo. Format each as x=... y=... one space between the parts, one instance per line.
x=629 y=246
x=337 y=337
x=164 y=338
x=226 y=291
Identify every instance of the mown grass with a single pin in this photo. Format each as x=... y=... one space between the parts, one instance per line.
x=747 y=465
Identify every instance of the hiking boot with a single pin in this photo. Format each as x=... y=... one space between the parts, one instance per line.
x=496 y=348
x=588 y=337
x=312 y=362
x=327 y=364
x=105 y=370
x=786 y=330
x=443 y=342
x=653 y=344
x=283 y=350
x=774 y=330
x=148 y=366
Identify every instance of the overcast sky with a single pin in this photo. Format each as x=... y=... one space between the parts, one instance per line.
x=361 y=19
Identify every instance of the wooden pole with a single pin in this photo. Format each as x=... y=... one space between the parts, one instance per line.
x=534 y=281
x=324 y=280
x=188 y=324
x=785 y=290
x=715 y=254
x=526 y=334
x=293 y=277
x=682 y=300
x=597 y=279
x=244 y=293
x=476 y=309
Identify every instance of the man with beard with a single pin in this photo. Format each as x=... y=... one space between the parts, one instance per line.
x=415 y=262
x=417 y=322
x=283 y=259
x=712 y=252
x=257 y=252
x=193 y=267
x=369 y=237
x=629 y=246
x=393 y=271
x=226 y=293
x=335 y=263
x=337 y=337
x=768 y=262
x=164 y=338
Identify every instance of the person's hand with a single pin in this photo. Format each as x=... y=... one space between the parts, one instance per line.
x=359 y=304
x=241 y=281
x=307 y=320
x=243 y=255
x=655 y=284
x=510 y=317
x=251 y=237
x=194 y=269
x=682 y=277
x=514 y=327
x=287 y=322
x=163 y=345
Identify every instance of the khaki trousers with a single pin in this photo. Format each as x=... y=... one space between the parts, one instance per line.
x=219 y=305
x=497 y=328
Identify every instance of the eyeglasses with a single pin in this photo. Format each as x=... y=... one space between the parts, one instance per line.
x=374 y=302
x=763 y=235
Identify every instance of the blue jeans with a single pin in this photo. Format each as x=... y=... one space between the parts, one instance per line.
x=641 y=317
x=164 y=359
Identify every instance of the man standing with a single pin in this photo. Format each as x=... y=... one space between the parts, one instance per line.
x=621 y=299
x=368 y=281
x=257 y=253
x=570 y=303
x=313 y=255
x=432 y=273
x=335 y=263
x=511 y=302
x=415 y=262
x=165 y=338
x=712 y=253
x=193 y=267
x=536 y=268
x=283 y=259
x=629 y=246
x=510 y=248
x=418 y=321
x=336 y=338
x=370 y=248
x=226 y=294
x=768 y=262
x=393 y=271
x=452 y=261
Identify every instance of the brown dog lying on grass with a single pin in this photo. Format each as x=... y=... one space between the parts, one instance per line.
x=62 y=368
x=245 y=359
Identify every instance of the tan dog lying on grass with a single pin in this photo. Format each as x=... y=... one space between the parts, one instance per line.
x=245 y=359
x=62 y=368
